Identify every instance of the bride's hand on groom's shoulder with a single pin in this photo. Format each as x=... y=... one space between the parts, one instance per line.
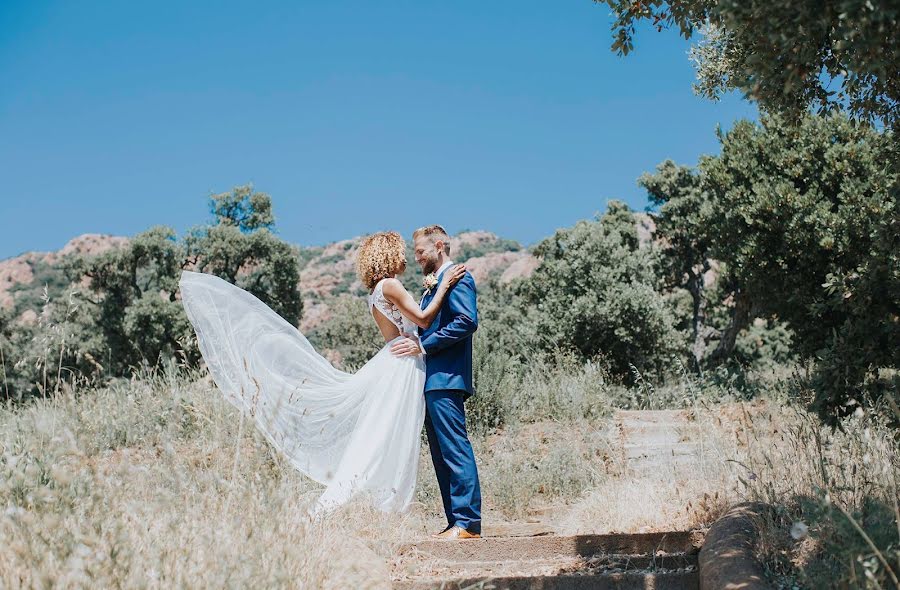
x=409 y=346
x=452 y=276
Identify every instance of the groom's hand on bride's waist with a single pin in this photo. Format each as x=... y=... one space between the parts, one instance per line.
x=409 y=346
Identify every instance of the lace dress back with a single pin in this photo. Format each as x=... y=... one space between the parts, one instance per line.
x=389 y=310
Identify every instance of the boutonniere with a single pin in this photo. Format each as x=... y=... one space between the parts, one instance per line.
x=429 y=283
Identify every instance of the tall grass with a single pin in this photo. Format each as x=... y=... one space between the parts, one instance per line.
x=153 y=482
x=560 y=386
x=835 y=492
x=134 y=486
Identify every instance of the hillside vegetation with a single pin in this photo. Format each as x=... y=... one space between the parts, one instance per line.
x=762 y=296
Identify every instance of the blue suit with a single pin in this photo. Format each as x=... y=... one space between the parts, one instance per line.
x=448 y=383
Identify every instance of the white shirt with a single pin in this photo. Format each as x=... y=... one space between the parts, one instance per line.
x=443 y=267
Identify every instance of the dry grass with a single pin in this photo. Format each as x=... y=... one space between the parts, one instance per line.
x=641 y=506
x=132 y=487
x=837 y=521
x=148 y=484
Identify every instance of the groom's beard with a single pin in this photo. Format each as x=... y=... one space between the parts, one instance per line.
x=429 y=267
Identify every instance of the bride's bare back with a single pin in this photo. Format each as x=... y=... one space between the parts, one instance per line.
x=391 y=304
x=387 y=316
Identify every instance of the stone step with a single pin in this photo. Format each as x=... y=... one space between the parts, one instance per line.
x=675 y=580
x=657 y=471
x=660 y=438
x=655 y=449
x=651 y=417
x=671 y=454
x=517 y=529
x=537 y=548
x=558 y=565
x=667 y=426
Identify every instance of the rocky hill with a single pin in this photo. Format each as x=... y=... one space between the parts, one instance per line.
x=326 y=271
x=329 y=271
x=23 y=278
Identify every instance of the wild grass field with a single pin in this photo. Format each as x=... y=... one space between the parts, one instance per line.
x=156 y=482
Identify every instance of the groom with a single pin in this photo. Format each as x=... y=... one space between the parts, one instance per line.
x=447 y=345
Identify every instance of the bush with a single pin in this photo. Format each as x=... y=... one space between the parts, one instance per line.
x=129 y=315
x=350 y=333
x=596 y=292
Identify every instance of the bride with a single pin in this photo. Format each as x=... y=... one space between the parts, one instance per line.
x=351 y=432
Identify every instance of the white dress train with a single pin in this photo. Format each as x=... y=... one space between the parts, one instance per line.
x=351 y=432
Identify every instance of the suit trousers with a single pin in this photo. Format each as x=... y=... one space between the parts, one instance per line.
x=454 y=461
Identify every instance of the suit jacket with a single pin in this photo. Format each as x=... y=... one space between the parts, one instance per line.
x=448 y=340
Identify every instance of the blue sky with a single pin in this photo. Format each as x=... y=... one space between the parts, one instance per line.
x=355 y=116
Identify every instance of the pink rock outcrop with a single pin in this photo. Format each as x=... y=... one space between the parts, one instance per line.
x=20 y=269
x=505 y=266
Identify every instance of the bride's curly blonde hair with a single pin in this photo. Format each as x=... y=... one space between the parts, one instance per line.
x=380 y=256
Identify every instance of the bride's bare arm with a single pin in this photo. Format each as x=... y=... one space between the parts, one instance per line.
x=399 y=296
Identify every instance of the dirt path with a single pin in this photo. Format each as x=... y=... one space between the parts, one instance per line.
x=659 y=444
x=654 y=445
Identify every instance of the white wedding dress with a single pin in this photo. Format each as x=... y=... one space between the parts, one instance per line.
x=351 y=432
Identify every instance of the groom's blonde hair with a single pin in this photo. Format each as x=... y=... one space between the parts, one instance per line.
x=434 y=233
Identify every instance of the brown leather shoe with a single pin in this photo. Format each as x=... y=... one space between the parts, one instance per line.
x=457 y=532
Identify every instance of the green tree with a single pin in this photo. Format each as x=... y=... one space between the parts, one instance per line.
x=11 y=346
x=596 y=292
x=258 y=262
x=62 y=347
x=506 y=320
x=350 y=331
x=132 y=300
x=806 y=220
x=789 y=56
x=682 y=224
x=765 y=343
x=132 y=290
x=243 y=208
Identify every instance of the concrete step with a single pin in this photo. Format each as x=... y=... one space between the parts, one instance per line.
x=650 y=560
x=650 y=471
x=535 y=548
x=655 y=449
x=553 y=565
x=687 y=580
x=664 y=421
x=651 y=416
x=517 y=529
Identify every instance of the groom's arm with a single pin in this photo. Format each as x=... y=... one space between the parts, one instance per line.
x=462 y=304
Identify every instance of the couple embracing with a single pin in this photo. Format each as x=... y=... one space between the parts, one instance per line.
x=359 y=433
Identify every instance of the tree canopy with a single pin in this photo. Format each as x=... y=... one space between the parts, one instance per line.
x=596 y=292
x=804 y=219
x=789 y=56
x=123 y=310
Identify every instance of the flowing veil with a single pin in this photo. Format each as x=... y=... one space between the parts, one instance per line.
x=336 y=427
